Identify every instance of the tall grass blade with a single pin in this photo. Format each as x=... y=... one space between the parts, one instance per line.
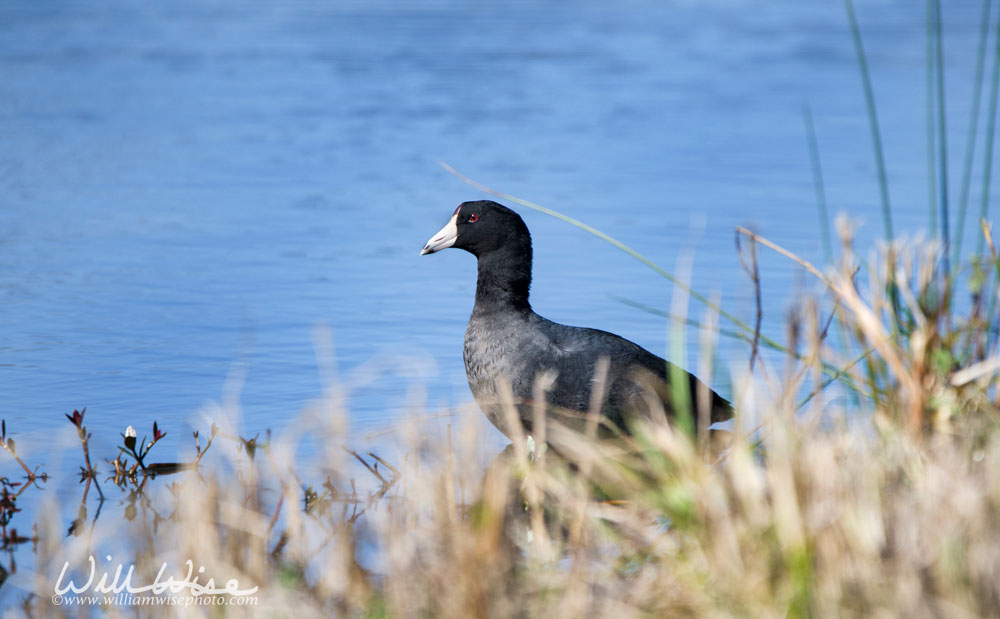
x=866 y=83
x=839 y=375
x=680 y=387
x=817 y=171
x=970 y=146
x=942 y=127
x=883 y=182
x=990 y=134
x=929 y=103
x=691 y=322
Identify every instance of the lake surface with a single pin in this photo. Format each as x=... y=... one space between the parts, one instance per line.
x=192 y=193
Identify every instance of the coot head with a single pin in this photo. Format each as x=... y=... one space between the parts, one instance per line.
x=479 y=228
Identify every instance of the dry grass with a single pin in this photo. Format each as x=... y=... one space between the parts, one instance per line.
x=891 y=510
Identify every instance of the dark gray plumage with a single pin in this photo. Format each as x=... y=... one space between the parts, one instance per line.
x=507 y=343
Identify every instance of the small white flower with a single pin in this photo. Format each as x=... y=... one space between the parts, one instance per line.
x=130 y=432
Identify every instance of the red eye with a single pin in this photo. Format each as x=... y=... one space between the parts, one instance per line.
x=473 y=218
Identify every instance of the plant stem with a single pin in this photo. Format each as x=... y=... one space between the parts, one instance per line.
x=942 y=132
x=970 y=147
x=866 y=83
x=883 y=182
x=31 y=475
x=931 y=157
x=817 y=170
x=90 y=468
x=990 y=134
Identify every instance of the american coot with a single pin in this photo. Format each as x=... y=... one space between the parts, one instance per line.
x=507 y=343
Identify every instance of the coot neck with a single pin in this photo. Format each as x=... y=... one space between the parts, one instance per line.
x=504 y=279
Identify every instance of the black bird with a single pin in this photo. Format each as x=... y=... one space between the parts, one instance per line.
x=508 y=344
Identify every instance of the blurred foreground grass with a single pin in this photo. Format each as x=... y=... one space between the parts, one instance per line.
x=887 y=508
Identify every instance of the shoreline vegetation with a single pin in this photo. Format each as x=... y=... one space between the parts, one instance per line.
x=860 y=477
x=815 y=506
x=812 y=509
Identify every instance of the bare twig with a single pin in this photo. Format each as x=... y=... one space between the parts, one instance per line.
x=370 y=468
x=753 y=271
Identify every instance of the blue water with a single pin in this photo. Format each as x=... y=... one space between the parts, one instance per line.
x=190 y=190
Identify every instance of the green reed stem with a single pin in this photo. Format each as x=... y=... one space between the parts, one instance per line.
x=984 y=206
x=817 y=172
x=866 y=83
x=691 y=322
x=929 y=102
x=883 y=182
x=942 y=127
x=970 y=146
